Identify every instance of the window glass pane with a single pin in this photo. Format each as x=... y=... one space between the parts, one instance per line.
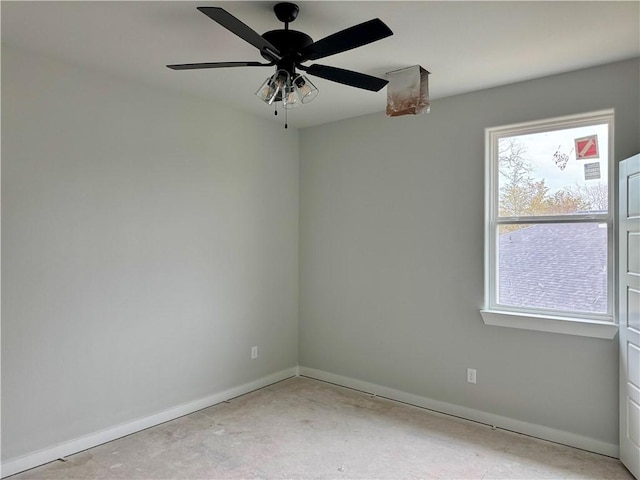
x=554 y=173
x=553 y=266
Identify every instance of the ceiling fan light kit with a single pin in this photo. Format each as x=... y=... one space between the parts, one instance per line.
x=280 y=87
x=288 y=50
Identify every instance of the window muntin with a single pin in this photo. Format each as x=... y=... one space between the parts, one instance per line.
x=549 y=222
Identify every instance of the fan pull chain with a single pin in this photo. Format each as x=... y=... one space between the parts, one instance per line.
x=285 y=118
x=275 y=112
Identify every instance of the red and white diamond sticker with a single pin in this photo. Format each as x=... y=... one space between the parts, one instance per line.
x=587 y=147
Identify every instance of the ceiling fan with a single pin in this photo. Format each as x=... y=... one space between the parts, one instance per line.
x=289 y=49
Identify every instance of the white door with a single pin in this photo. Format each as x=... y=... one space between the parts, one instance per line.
x=629 y=309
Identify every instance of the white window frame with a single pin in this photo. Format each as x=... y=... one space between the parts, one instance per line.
x=573 y=323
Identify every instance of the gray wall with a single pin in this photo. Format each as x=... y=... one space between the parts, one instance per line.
x=148 y=241
x=391 y=256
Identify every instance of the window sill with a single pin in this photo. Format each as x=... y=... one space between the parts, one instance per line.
x=541 y=323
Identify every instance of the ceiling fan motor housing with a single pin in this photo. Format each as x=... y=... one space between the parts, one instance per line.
x=289 y=43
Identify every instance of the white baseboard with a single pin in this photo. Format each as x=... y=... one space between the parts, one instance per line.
x=533 y=430
x=41 y=457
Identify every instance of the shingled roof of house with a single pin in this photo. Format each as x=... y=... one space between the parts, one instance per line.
x=560 y=266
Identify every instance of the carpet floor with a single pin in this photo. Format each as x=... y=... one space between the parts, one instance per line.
x=306 y=429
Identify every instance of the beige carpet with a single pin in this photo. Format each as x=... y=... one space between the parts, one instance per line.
x=306 y=429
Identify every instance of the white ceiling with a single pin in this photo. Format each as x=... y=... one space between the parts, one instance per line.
x=465 y=45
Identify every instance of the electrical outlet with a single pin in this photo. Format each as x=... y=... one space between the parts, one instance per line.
x=471 y=375
x=254 y=353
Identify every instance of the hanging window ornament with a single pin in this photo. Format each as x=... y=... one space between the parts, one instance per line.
x=560 y=158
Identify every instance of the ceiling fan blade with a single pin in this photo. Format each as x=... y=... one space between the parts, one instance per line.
x=245 y=32
x=347 y=77
x=195 y=66
x=347 y=39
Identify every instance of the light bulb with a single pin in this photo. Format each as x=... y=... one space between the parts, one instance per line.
x=291 y=98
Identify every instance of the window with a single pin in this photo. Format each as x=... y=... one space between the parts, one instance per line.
x=549 y=219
